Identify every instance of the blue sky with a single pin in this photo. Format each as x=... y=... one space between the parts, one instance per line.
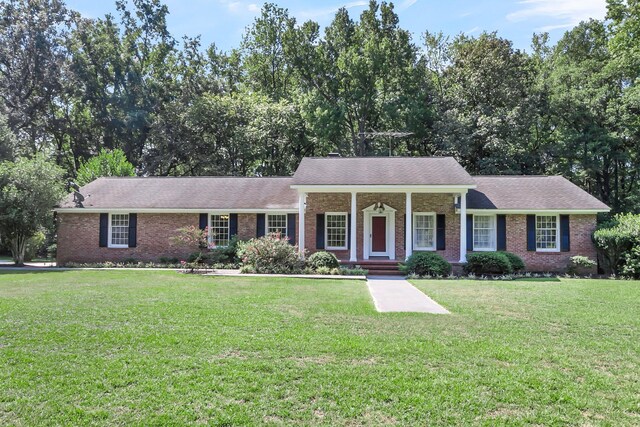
x=223 y=21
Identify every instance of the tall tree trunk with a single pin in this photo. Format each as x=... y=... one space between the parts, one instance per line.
x=18 y=249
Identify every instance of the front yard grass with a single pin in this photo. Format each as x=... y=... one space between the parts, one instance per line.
x=161 y=348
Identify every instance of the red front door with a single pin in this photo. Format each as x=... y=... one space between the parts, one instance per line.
x=379 y=234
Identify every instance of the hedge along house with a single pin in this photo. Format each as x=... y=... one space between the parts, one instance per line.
x=365 y=210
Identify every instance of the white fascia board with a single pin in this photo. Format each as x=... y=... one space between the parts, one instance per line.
x=383 y=188
x=169 y=211
x=536 y=211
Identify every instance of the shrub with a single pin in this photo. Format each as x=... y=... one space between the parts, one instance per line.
x=516 y=262
x=217 y=254
x=578 y=262
x=270 y=254
x=322 y=259
x=426 y=264
x=616 y=239
x=488 y=263
x=52 y=250
x=34 y=245
x=323 y=270
x=344 y=271
x=632 y=263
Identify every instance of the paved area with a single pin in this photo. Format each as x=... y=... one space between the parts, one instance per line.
x=394 y=294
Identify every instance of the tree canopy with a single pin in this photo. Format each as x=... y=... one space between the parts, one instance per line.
x=29 y=188
x=72 y=86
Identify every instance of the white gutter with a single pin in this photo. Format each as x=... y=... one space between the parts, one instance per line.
x=383 y=188
x=536 y=211
x=168 y=211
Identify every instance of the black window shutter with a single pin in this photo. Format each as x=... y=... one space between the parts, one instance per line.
x=133 y=230
x=469 y=232
x=320 y=231
x=441 y=237
x=204 y=221
x=404 y=241
x=501 y=231
x=104 y=230
x=291 y=228
x=260 y=225
x=565 y=241
x=348 y=231
x=233 y=225
x=531 y=232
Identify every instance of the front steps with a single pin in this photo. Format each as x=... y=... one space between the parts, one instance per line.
x=376 y=267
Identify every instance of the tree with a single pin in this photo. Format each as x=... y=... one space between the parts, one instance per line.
x=30 y=189
x=267 y=70
x=361 y=77
x=7 y=140
x=107 y=163
x=486 y=107
x=33 y=55
x=591 y=143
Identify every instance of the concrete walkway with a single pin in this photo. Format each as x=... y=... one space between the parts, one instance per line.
x=395 y=294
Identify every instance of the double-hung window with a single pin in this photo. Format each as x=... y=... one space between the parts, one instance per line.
x=219 y=230
x=119 y=230
x=277 y=223
x=335 y=230
x=484 y=233
x=424 y=231
x=547 y=233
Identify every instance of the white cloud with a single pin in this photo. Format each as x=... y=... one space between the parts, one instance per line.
x=472 y=30
x=317 y=14
x=563 y=13
x=406 y=4
x=238 y=7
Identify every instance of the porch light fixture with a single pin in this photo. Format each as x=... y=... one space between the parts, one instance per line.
x=379 y=207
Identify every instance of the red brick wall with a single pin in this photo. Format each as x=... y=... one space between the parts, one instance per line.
x=580 y=229
x=247 y=224
x=78 y=235
x=442 y=204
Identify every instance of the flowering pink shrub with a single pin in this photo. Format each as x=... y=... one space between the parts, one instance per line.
x=270 y=254
x=191 y=237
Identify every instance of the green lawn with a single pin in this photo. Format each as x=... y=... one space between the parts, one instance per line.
x=160 y=348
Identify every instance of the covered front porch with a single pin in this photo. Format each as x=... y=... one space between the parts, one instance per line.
x=369 y=224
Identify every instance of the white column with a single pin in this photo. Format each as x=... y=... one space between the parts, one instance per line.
x=302 y=198
x=463 y=227
x=354 y=244
x=408 y=231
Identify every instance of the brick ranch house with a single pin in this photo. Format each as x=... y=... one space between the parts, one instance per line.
x=358 y=208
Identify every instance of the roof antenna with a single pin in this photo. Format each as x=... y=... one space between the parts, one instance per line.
x=390 y=135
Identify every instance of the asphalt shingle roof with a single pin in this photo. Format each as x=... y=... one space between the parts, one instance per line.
x=188 y=193
x=530 y=192
x=492 y=192
x=381 y=171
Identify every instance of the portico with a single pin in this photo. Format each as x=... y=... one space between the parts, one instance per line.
x=374 y=222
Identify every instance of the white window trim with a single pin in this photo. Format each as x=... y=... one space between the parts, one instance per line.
x=209 y=236
x=495 y=234
x=557 y=248
x=435 y=231
x=346 y=232
x=109 y=244
x=286 y=222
